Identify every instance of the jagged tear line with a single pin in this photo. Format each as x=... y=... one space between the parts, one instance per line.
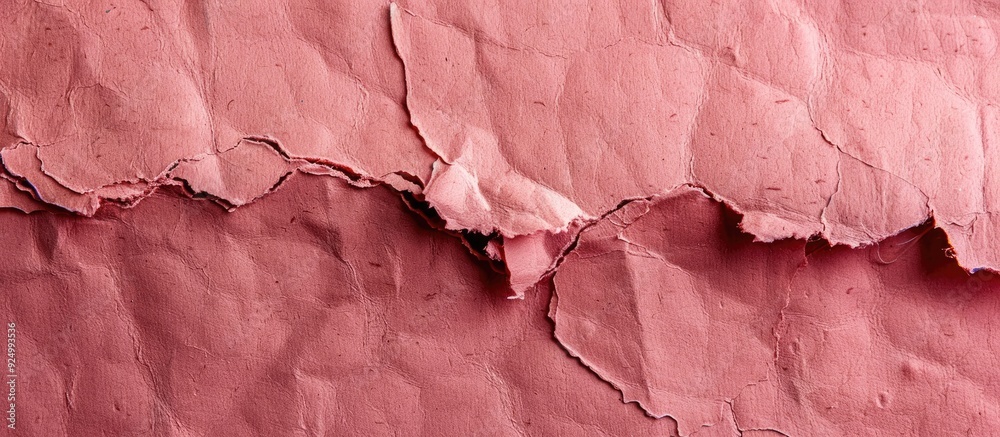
x=813 y=244
x=475 y=242
x=550 y=318
x=352 y=176
x=691 y=183
x=395 y=9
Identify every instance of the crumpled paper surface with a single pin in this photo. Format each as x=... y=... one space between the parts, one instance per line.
x=690 y=318
x=512 y=120
x=322 y=310
x=673 y=172
x=801 y=117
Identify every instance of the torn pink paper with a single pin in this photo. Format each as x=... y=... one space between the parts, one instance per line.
x=585 y=137
x=236 y=176
x=130 y=90
x=530 y=257
x=515 y=126
x=798 y=117
x=22 y=164
x=12 y=197
x=690 y=318
x=674 y=306
x=883 y=341
x=323 y=309
x=665 y=298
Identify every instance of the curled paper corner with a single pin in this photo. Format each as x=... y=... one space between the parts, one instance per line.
x=523 y=207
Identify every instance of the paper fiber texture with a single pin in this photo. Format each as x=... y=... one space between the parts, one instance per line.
x=323 y=310
x=690 y=318
x=306 y=217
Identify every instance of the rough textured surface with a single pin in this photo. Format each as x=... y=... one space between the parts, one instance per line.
x=515 y=119
x=852 y=122
x=324 y=310
x=131 y=89
x=672 y=174
x=691 y=319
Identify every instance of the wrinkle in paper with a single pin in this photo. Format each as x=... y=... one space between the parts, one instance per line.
x=691 y=319
x=792 y=114
x=323 y=309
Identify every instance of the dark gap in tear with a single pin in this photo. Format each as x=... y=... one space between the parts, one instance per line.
x=475 y=242
x=731 y=219
x=351 y=174
x=277 y=184
x=815 y=244
x=423 y=209
x=937 y=255
x=411 y=178
x=270 y=143
x=195 y=194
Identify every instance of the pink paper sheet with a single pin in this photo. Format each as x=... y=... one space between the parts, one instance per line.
x=692 y=319
x=672 y=173
x=324 y=310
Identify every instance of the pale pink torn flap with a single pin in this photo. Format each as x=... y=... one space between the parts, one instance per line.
x=528 y=258
x=22 y=164
x=532 y=119
x=13 y=197
x=236 y=176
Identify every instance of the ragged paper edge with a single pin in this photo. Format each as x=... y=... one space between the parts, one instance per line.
x=645 y=204
x=35 y=189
